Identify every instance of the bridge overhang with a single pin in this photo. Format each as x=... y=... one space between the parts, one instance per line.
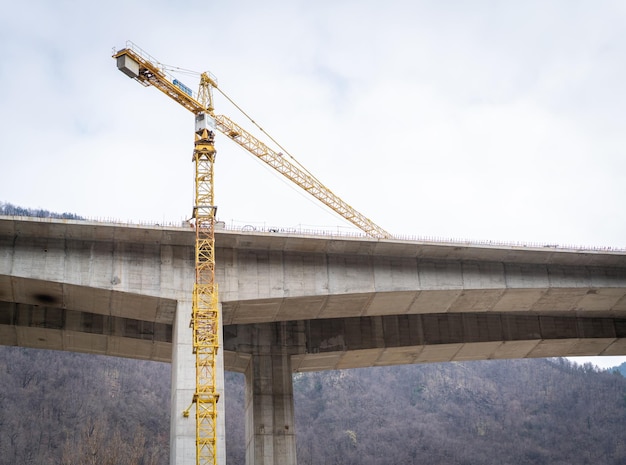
x=114 y=289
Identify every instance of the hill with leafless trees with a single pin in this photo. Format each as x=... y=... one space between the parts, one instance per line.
x=59 y=408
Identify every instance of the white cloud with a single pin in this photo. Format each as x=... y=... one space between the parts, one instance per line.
x=490 y=121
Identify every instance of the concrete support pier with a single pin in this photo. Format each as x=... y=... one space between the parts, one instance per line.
x=183 y=429
x=270 y=428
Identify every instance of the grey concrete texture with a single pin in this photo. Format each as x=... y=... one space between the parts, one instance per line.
x=341 y=343
x=259 y=286
x=269 y=408
x=113 y=289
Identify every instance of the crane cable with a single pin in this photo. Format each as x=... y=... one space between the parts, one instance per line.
x=246 y=115
x=241 y=110
x=285 y=151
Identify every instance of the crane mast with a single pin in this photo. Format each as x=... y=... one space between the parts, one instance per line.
x=205 y=308
x=146 y=70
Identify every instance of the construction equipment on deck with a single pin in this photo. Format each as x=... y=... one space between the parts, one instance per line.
x=146 y=70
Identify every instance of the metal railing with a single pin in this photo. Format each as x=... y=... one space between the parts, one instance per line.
x=329 y=233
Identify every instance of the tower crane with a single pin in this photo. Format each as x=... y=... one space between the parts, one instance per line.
x=140 y=66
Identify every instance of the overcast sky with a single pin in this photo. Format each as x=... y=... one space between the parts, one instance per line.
x=482 y=120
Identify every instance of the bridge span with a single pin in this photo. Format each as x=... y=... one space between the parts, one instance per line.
x=294 y=302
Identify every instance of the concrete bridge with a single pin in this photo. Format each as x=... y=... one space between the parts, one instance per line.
x=293 y=302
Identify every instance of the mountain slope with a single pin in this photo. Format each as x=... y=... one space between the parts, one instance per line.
x=68 y=408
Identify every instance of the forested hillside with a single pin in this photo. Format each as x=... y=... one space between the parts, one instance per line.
x=66 y=408
x=13 y=210
x=489 y=412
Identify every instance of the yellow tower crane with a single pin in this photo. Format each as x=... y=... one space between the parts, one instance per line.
x=146 y=70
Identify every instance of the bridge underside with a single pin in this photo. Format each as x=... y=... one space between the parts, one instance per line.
x=328 y=344
x=63 y=316
x=341 y=343
x=53 y=328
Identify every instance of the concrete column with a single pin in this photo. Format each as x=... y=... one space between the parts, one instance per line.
x=270 y=431
x=183 y=430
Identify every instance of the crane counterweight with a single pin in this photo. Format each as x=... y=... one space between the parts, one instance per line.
x=128 y=66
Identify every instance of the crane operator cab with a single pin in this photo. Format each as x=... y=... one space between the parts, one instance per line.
x=205 y=121
x=205 y=137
